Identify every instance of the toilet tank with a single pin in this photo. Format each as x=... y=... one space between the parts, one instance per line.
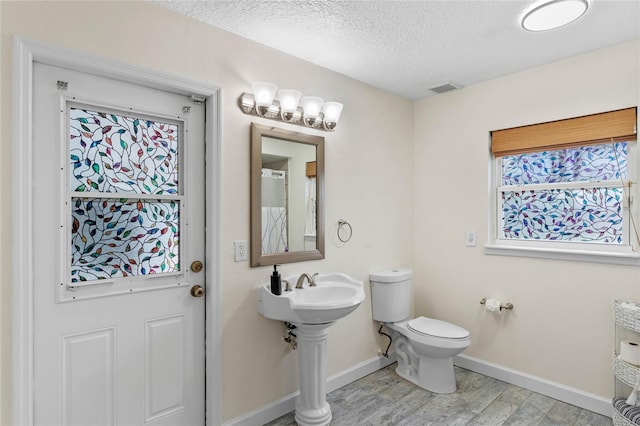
x=391 y=295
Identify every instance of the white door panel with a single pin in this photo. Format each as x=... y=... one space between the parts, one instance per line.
x=123 y=344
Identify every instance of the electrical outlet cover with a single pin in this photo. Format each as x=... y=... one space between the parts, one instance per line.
x=241 y=250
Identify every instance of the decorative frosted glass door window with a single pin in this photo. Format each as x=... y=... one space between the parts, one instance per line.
x=573 y=195
x=124 y=194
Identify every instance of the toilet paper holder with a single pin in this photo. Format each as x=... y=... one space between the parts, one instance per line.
x=508 y=306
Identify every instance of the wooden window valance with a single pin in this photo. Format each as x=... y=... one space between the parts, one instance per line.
x=592 y=129
x=311 y=169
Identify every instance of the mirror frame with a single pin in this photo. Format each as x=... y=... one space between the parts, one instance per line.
x=258 y=131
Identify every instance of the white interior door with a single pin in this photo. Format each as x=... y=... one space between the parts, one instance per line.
x=119 y=221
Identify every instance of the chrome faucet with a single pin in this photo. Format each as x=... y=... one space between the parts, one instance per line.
x=310 y=278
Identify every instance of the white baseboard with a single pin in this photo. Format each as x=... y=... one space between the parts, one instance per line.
x=554 y=390
x=573 y=396
x=287 y=403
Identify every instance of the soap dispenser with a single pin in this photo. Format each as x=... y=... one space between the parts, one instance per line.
x=276 y=282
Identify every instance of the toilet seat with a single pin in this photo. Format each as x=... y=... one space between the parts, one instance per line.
x=436 y=328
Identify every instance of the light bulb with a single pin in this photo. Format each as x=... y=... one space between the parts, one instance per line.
x=263 y=94
x=288 y=99
x=311 y=106
x=331 y=111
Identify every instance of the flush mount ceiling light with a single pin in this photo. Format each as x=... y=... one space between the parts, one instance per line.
x=553 y=14
x=290 y=107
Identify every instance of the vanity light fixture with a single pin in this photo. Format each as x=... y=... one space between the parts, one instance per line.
x=264 y=93
x=552 y=14
x=290 y=107
x=311 y=106
x=331 y=111
x=289 y=99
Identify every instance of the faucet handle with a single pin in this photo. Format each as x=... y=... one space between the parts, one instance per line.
x=287 y=285
x=312 y=283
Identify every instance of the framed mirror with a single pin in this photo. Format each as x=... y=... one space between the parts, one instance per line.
x=287 y=196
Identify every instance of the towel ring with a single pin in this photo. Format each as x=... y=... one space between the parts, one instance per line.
x=344 y=224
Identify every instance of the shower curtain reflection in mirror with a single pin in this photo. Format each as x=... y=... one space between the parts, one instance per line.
x=310 y=216
x=274 y=211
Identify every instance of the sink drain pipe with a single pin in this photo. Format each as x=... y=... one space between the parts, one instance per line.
x=291 y=337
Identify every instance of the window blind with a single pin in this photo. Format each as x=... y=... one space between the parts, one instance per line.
x=592 y=129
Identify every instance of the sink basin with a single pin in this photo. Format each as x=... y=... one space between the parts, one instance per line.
x=335 y=296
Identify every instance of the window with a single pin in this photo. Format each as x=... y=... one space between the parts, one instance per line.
x=124 y=195
x=566 y=185
x=572 y=195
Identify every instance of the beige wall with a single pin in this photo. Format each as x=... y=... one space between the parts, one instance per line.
x=373 y=193
x=561 y=328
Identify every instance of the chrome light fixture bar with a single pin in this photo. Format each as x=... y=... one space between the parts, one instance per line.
x=290 y=107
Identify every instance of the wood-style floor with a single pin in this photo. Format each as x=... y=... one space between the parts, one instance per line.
x=383 y=398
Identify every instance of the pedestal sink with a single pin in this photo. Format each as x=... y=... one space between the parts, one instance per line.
x=312 y=310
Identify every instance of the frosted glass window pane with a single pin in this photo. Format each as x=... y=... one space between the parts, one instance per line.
x=595 y=163
x=116 y=153
x=113 y=238
x=577 y=215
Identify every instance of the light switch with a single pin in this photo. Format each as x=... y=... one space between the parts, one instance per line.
x=471 y=238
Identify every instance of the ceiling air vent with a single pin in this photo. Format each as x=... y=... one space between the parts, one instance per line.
x=446 y=87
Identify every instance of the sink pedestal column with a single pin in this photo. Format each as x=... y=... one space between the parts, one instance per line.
x=312 y=408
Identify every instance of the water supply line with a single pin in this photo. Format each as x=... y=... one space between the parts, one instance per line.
x=291 y=337
x=386 y=352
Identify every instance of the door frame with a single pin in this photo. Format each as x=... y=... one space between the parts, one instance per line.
x=25 y=53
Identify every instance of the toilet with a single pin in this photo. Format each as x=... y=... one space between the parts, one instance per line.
x=424 y=347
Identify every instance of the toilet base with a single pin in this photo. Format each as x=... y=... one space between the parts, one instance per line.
x=434 y=374
x=430 y=373
x=424 y=360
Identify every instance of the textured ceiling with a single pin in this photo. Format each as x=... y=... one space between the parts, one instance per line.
x=407 y=47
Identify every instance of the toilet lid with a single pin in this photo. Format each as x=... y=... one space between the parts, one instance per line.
x=437 y=328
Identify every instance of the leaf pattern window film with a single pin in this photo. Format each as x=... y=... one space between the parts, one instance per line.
x=575 y=215
x=116 y=153
x=557 y=210
x=113 y=158
x=113 y=238
x=596 y=163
